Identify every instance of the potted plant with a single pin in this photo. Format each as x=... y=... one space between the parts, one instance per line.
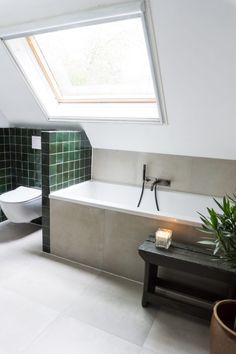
x=221 y=228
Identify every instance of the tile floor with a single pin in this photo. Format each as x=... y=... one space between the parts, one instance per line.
x=50 y=306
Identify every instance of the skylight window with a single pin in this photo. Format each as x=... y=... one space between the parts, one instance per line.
x=100 y=68
x=99 y=63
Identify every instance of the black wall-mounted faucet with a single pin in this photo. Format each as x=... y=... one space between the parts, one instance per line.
x=155 y=182
x=144 y=172
x=143 y=185
x=160 y=182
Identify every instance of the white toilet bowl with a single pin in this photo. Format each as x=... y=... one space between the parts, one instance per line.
x=22 y=204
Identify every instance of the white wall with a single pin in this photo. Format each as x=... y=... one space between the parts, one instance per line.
x=13 y=12
x=3 y=121
x=196 y=42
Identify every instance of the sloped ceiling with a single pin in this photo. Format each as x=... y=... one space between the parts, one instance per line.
x=13 y=12
x=197 y=52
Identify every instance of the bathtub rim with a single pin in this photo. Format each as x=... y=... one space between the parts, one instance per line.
x=195 y=222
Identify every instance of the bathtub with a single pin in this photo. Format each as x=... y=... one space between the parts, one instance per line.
x=98 y=224
x=174 y=206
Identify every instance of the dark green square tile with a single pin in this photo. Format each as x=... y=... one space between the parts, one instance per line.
x=59 y=158
x=59 y=137
x=52 y=170
x=53 y=159
x=59 y=178
x=52 y=148
x=65 y=147
x=59 y=147
x=59 y=168
x=52 y=137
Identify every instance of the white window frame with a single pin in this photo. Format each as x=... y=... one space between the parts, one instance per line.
x=126 y=112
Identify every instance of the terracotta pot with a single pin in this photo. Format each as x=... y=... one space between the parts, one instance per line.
x=222 y=331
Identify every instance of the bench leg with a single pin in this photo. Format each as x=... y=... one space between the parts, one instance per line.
x=150 y=276
x=232 y=292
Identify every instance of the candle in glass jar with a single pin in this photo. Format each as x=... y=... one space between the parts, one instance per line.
x=163 y=238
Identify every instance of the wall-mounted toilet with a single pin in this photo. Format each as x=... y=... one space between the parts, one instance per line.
x=22 y=204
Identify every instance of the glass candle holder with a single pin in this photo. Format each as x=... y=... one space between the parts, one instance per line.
x=163 y=238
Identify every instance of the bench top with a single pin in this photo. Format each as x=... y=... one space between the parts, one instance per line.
x=190 y=255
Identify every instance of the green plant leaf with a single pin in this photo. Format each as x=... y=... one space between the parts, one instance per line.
x=219 y=205
x=205 y=230
x=216 y=250
x=206 y=242
x=222 y=227
x=206 y=237
x=213 y=218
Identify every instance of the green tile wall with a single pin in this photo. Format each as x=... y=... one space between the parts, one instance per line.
x=66 y=160
x=25 y=161
x=5 y=164
x=20 y=165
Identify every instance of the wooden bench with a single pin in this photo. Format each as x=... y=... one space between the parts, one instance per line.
x=189 y=259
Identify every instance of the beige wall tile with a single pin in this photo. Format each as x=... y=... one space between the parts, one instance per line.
x=77 y=232
x=123 y=170
x=189 y=174
x=106 y=239
x=123 y=234
x=213 y=177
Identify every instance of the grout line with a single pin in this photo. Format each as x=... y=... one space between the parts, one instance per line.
x=90 y=267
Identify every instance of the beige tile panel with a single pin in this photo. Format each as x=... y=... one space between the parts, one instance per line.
x=123 y=235
x=77 y=232
x=115 y=166
x=106 y=239
x=189 y=174
x=214 y=177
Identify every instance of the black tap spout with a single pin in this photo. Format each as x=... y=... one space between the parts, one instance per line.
x=154 y=183
x=163 y=182
x=160 y=182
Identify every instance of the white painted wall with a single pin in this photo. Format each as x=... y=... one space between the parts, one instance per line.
x=13 y=12
x=3 y=121
x=197 y=51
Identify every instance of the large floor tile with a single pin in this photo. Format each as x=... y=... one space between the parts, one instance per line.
x=118 y=286
x=68 y=335
x=16 y=234
x=174 y=333
x=32 y=242
x=19 y=243
x=21 y=321
x=114 y=305
x=50 y=281
x=50 y=305
x=13 y=262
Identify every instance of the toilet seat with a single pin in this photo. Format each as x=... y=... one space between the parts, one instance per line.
x=20 y=195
